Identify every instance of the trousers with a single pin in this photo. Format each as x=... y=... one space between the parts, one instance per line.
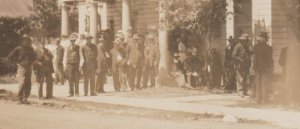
x=263 y=85
x=73 y=77
x=24 y=79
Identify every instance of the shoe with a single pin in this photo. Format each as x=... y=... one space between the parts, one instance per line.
x=76 y=94
x=25 y=101
x=48 y=97
x=93 y=94
x=20 y=102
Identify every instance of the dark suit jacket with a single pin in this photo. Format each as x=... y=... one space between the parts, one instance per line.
x=118 y=54
x=73 y=55
x=101 y=59
x=43 y=61
x=263 y=61
x=151 y=55
x=22 y=55
x=60 y=51
x=89 y=52
x=135 y=53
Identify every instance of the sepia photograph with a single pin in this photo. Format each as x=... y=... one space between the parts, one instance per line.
x=150 y=64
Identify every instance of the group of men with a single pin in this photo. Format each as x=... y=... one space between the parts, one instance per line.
x=238 y=64
x=134 y=63
x=236 y=73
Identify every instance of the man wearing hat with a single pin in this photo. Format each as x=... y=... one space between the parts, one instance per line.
x=150 y=61
x=241 y=55
x=230 y=75
x=59 y=71
x=23 y=56
x=101 y=66
x=263 y=67
x=134 y=62
x=43 y=68
x=72 y=66
x=89 y=52
x=119 y=71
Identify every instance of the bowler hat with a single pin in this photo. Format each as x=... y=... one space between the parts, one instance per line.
x=263 y=35
x=73 y=36
x=230 y=38
x=244 y=37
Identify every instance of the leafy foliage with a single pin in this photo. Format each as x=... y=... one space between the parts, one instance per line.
x=195 y=22
x=11 y=31
x=46 y=17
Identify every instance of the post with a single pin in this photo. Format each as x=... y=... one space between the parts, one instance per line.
x=163 y=77
x=93 y=21
x=230 y=19
x=102 y=10
x=125 y=16
x=81 y=17
x=64 y=19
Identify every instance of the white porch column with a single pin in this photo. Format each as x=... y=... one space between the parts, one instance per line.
x=230 y=19
x=93 y=21
x=64 y=19
x=164 y=78
x=102 y=10
x=81 y=17
x=125 y=16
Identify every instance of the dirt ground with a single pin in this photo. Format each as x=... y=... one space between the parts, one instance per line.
x=65 y=114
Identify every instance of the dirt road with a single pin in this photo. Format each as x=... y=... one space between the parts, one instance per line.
x=13 y=116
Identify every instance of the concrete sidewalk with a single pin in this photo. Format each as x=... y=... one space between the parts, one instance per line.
x=228 y=105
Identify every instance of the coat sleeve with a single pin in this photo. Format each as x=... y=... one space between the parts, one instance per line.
x=127 y=52
x=12 y=55
x=235 y=54
x=60 y=54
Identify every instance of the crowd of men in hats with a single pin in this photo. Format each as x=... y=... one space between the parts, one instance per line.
x=134 y=63
x=235 y=73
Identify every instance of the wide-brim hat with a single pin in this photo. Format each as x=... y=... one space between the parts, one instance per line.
x=263 y=35
x=73 y=36
x=26 y=38
x=230 y=38
x=244 y=37
x=88 y=36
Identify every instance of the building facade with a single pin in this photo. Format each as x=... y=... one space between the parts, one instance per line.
x=255 y=16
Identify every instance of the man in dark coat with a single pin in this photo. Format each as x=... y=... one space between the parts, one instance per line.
x=43 y=68
x=241 y=55
x=23 y=56
x=72 y=66
x=263 y=67
x=216 y=69
x=59 y=73
x=230 y=75
x=134 y=62
x=89 y=52
x=151 y=60
x=101 y=66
